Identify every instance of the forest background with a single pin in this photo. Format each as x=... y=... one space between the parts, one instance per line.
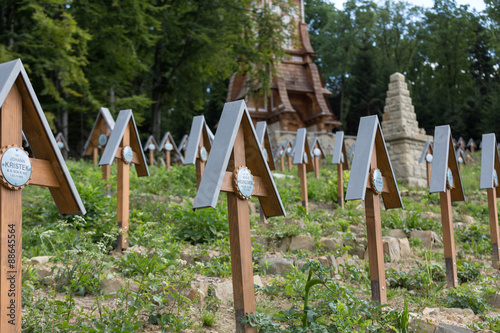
x=169 y=60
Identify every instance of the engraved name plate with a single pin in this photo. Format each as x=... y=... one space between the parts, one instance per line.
x=428 y=158
x=449 y=178
x=495 y=178
x=377 y=181
x=305 y=158
x=16 y=167
x=127 y=154
x=317 y=152
x=103 y=139
x=243 y=182
x=203 y=154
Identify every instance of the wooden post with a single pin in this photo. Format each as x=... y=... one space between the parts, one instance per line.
x=241 y=247
x=340 y=185
x=283 y=162
x=316 y=166
x=10 y=222
x=95 y=154
x=289 y=163
x=448 y=239
x=429 y=169
x=123 y=194
x=151 y=157
x=167 y=159
x=374 y=238
x=303 y=186
x=493 y=215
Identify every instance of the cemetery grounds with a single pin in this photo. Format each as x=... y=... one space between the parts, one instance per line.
x=310 y=271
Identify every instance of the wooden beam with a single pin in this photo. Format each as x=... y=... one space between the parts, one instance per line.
x=42 y=173
x=316 y=166
x=95 y=156
x=282 y=158
x=448 y=239
x=167 y=159
x=429 y=169
x=241 y=247
x=135 y=157
x=151 y=157
x=289 y=163
x=123 y=194
x=259 y=188
x=493 y=216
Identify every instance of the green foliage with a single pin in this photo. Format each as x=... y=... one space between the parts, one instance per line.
x=466 y=296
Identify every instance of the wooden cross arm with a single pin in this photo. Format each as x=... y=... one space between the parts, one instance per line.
x=135 y=158
x=259 y=188
x=42 y=173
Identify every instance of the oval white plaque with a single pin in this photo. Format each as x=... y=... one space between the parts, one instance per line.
x=16 y=166
x=60 y=144
x=341 y=157
x=428 y=158
x=244 y=182
x=103 y=139
x=282 y=152
x=203 y=154
x=305 y=158
x=449 y=178
x=317 y=152
x=378 y=181
x=460 y=160
x=127 y=154
x=495 y=178
x=169 y=146
x=152 y=146
x=288 y=150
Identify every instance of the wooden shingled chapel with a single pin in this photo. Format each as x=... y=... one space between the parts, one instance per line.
x=298 y=96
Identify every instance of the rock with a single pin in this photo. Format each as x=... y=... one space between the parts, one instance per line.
x=116 y=254
x=494 y=301
x=140 y=250
x=469 y=219
x=391 y=248
x=299 y=263
x=187 y=257
x=458 y=311
x=331 y=244
x=397 y=233
x=282 y=245
x=253 y=208
x=404 y=248
x=445 y=328
x=44 y=271
x=276 y=266
x=112 y=285
x=323 y=261
x=431 y=216
x=40 y=260
x=357 y=231
x=206 y=256
x=429 y=238
x=340 y=261
x=301 y=243
x=258 y=281
x=223 y=290
x=421 y=326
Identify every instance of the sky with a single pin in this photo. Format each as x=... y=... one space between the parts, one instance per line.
x=477 y=4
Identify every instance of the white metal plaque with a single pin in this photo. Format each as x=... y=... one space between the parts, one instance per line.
x=16 y=167
x=449 y=178
x=341 y=157
x=243 y=182
x=377 y=181
x=460 y=160
x=282 y=151
x=169 y=146
x=151 y=146
x=288 y=151
x=317 y=152
x=305 y=158
x=203 y=154
x=127 y=154
x=428 y=158
x=495 y=178
x=60 y=144
x=103 y=139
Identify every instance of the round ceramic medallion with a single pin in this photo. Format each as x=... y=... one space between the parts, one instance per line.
x=377 y=181
x=282 y=151
x=103 y=139
x=243 y=182
x=288 y=151
x=127 y=154
x=460 y=160
x=317 y=152
x=203 y=154
x=428 y=158
x=60 y=144
x=169 y=146
x=152 y=146
x=449 y=178
x=16 y=168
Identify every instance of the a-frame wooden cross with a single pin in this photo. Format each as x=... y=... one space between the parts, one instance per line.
x=490 y=171
x=340 y=159
x=125 y=146
x=236 y=165
x=183 y=145
x=317 y=152
x=289 y=153
x=460 y=158
x=151 y=146
x=445 y=179
x=167 y=143
x=461 y=143
x=21 y=112
x=281 y=156
x=265 y=142
x=468 y=157
x=198 y=147
x=427 y=154
x=471 y=145
x=302 y=157
x=372 y=176
x=62 y=144
x=98 y=139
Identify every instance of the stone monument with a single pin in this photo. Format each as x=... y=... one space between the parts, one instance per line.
x=404 y=139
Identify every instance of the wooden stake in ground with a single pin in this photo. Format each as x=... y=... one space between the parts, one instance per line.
x=62 y=144
x=302 y=157
x=318 y=153
x=98 y=139
x=490 y=170
x=198 y=147
x=445 y=179
x=372 y=176
x=125 y=146
x=151 y=146
x=237 y=166
x=172 y=153
x=21 y=112
x=426 y=156
x=340 y=159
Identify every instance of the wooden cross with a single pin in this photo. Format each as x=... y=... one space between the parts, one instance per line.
x=445 y=179
x=318 y=153
x=427 y=155
x=289 y=152
x=168 y=144
x=340 y=158
x=461 y=143
x=20 y=111
x=302 y=157
x=281 y=155
x=183 y=145
x=238 y=167
x=98 y=139
x=490 y=171
x=198 y=146
x=472 y=145
x=372 y=176
x=151 y=145
x=62 y=144
x=125 y=146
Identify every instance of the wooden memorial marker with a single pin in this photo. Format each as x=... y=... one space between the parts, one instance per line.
x=62 y=144
x=372 y=176
x=124 y=145
x=461 y=143
x=21 y=112
x=236 y=165
x=471 y=145
x=445 y=179
x=183 y=145
x=167 y=143
x=302 y=157
x=460 y=158
x=427 y=155
x=198 y=146
x=98 y=139
x=151 y=145
x=351 y=152
x=317 y=152
x=340 y=158
x=454 y=142
x=468 y=157
x=281 y=157
x=265 y=143
x=289 y=153
x=490 y=171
